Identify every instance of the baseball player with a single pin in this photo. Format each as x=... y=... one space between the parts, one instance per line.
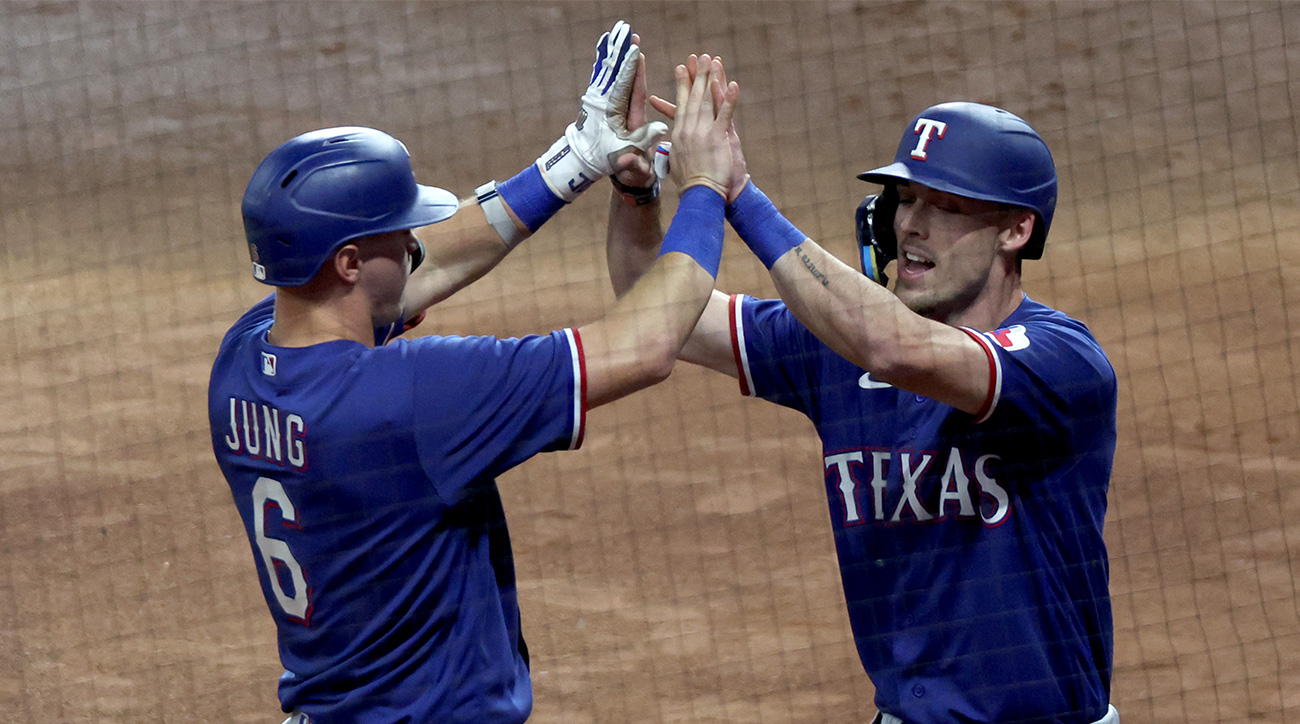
x=363 y=466
x=967 y=430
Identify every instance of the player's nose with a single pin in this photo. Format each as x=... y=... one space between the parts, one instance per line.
x=911 y=219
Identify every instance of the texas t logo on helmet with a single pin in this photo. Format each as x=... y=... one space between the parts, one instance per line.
x=928 y=130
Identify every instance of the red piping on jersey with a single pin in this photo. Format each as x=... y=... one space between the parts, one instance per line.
x=735 y=347
x=987 y=406
x=582 y=391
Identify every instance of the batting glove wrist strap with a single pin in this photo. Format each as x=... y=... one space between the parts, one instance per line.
x=697 y=228
x=758 y=223
x=592 y=144
x=636 y=195
x=489 y=199
x=529 y=197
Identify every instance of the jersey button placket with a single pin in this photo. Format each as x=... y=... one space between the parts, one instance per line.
x=918 y=691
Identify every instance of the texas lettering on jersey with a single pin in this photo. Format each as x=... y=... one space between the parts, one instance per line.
x=963 y=490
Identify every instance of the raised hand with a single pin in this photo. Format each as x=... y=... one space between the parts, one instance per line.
x=614 y=86
x=701 y=147
x=739 y=171
x=592 y=145
x=634 y=169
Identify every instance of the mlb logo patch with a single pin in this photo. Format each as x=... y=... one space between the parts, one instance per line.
x=268 y=364
x=1012 y=338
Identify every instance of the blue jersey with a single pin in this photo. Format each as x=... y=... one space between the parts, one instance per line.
x=364 y=478
x=970 y=546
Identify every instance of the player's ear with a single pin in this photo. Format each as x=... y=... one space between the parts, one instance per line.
x=346 y=263
x=1016 y=231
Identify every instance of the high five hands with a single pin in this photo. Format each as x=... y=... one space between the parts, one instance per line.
x=708 y=75
x=720 y=90
x=706 y=104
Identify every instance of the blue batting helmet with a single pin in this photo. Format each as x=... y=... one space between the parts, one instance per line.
x=325 y=188
x=971 y=150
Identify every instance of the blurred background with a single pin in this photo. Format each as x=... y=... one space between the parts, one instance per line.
x=680 y=566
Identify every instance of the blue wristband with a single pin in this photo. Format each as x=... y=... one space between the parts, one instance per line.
x=757 y=222
x=697 y=228
x=530 y=198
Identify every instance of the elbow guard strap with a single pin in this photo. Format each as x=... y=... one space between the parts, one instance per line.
x=494 y=208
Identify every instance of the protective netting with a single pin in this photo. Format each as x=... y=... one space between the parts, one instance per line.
x=679 y=568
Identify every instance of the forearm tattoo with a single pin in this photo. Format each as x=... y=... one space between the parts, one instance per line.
x=811 y=267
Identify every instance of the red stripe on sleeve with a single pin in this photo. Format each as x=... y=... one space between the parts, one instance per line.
x=582 y=391
x=735 y=346
x=987 y=406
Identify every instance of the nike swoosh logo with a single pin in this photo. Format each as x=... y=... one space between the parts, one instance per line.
x=867 y=383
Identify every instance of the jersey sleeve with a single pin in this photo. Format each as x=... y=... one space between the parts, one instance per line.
x=1047 y=375
x=483 y=405
x=777 y=358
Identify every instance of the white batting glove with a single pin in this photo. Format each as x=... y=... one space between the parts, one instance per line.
x=662 y=163
x=592 y=144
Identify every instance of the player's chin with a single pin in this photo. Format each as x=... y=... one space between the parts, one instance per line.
x=386 y=315
x=915 y=297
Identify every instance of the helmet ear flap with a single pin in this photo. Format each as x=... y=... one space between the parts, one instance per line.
x=877 y=244
x=417 y=258
x=1033 y=249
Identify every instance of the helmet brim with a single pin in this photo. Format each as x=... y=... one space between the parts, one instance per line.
x=432 y=205
x=898 y=171
x=885 y=175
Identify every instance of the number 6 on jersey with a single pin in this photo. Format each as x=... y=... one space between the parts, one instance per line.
x=275 y=552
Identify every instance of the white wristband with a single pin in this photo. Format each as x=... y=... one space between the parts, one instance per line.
x=565 y=172
x=497 y=215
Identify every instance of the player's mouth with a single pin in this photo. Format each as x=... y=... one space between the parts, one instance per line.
x=912 y=264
